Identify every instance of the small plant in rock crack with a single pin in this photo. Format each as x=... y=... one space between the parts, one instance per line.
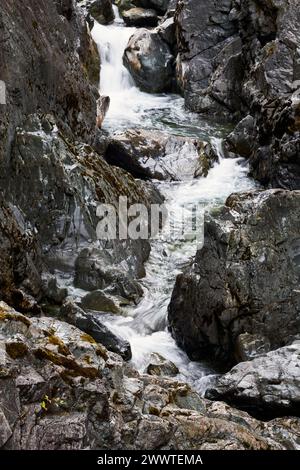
x=51 y=405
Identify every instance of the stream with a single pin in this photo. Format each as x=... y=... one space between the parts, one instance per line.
x=145 y=325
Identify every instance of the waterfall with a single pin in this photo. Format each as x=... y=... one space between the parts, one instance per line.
x=112 y=41
x=145 y=324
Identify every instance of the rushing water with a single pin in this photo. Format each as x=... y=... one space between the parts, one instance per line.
x=145 y=325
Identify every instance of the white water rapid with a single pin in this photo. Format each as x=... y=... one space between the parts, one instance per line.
x=145 y=325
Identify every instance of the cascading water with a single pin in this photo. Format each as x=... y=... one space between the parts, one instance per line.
x=145 y=325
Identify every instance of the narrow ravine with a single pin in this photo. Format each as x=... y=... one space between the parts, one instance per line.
x=145 y=325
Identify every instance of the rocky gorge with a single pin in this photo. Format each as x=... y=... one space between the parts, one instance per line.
x=165 y=343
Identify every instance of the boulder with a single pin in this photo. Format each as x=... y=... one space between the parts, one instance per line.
x=100 y=10
x=140 y=17
x=97 y=300
x=150 y=62
x=124 y=5
x=68 y=392
x=91 y=324
x=244 y=280
x=157 y=155
x=158 y=365
x=267 y=386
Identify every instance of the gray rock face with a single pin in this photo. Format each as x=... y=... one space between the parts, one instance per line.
x=55 y=377
x=53 y=224
x=57 y=61
x=244 y=279
x=268 y=385
x=271 y=42
x=140 y=17
x=241 y=59
x=153 y=154
x=21 y=265
x=208 y=63
x=150 y=62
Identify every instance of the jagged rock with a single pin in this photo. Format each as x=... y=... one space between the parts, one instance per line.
x=69 y=392
x=153 y=154
x=244 y=279
x=269 y=385
x=158 y=365
x=140 y=17
x=91 y=324
x=150 y=62
x=100 y=10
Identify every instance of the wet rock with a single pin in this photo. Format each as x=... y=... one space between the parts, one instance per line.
x=269 y=385
x=244 y=280
x=69 y=392
x=98 y=301
x=91 y=324
x=153 y=154
x=158 y=365
x=102 y=107
x=100 y=10
x=140 y=17
x=149 y=61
